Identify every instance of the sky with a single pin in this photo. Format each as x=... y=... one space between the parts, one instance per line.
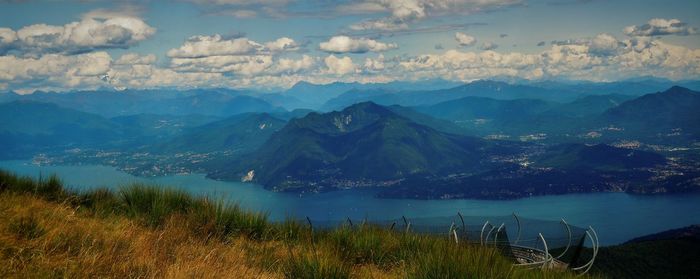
x=273 y=44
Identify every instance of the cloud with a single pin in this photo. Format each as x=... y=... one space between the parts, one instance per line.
x=339 y=66
x=282 y=44
x=464 y=39
x=345 y=44
x=292 y=66
x=374 y=65
x=660 y=27
x=399 y=13
x=135 y=59
x=203 y=46
x=488 y=46
x=101 y=30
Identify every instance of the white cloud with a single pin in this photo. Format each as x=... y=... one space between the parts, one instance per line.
x=401 y=12
x=464 y=39
x=374 y=65
x=488 y=46
x=291 y=66
x=136 y=59
x=101 y=32
x=282 y=44
x=340 y=66
x=344 y=44
x=216 y=45
x=660 y=27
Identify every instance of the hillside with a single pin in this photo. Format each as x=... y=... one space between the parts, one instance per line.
x=671 y=113
x=668 y=254
x=27 y=127
x=364 y=142
x=597 y=157
x=243 y=132
x=151 y=231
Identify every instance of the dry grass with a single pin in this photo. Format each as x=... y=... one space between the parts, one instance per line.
x=74 y=245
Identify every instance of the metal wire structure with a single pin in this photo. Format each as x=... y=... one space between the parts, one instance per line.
x=538 y=243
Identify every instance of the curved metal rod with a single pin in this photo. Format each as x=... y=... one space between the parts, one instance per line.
x=568 y=244
x=452 y=227
x=546 y=252
x=595 y=245
x=456 y=238
x=481 y=236
x=349 y=222
x=486 y=240
x=464 y=227
x=517 y=221
x=408 y=227
x=595 y=250
x=498 y=231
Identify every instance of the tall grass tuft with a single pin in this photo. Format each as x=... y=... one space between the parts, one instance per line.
x=26 y=227
x=309 y=266
x=154 y=204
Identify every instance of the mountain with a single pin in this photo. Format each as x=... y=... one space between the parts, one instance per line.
x=661 y=116
x=590 y=105
x=362 y=144
x=317 y=94
x=597 y=157
x=155 y=126
x=471 y=108
x=215 y=102
x=27 y=127
x=481 y=88
x=240 y=133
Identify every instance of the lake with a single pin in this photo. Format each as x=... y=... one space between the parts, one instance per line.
x=616 y=216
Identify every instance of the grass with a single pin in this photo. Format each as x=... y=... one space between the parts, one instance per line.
x=150 y=231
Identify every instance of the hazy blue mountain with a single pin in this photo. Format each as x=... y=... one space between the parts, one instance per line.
x=161 y=126
x=364 y=142
x=663 y=115
x=216 y=102
x=317 y=94
x=482 y=88
x=590 y=105
x=470 y=108
x=27 y=127
x=239 y=133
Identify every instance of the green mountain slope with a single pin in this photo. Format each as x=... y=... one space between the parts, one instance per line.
x=242 y=133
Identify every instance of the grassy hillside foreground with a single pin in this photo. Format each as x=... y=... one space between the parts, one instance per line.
x=151 y=232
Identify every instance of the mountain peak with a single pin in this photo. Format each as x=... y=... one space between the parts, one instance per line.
x=678 y=90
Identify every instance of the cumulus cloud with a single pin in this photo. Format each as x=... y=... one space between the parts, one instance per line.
x=401 y=12
x=345 y=44
x=488 y=46
x=464 y=39
x=101 y=31
x=135 y=59
x=203 y=46
x=340 y=66
x=660 y=27
x=282 y=44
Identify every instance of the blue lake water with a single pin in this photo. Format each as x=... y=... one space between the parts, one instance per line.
x=616 y=216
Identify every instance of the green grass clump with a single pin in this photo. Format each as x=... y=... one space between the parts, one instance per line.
x=311 y=266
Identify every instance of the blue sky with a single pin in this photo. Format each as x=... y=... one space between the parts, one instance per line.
x=270 y=44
